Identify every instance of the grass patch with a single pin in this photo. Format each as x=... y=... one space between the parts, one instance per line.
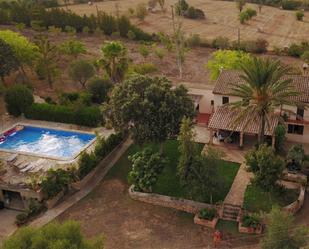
x=258 y=200
x=168 y=181
x=227 y=226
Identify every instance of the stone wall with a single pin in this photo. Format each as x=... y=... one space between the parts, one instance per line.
x=295 y=206
x=167 y=201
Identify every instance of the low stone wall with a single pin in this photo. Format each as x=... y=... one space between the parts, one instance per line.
x=297 y=177
x=295 y=206
x=207 y=223
x=170 y=202
x=81 y=184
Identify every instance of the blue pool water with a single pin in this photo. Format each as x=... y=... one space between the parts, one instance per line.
x=47 y=142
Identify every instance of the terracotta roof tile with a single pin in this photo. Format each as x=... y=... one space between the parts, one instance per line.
x=224 y=119
x=228 y=78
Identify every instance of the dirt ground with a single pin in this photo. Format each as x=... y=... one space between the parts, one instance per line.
x=195 y=72
x=128 y=224
x=278 y=27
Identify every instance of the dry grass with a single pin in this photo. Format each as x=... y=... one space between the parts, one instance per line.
x=279 y=27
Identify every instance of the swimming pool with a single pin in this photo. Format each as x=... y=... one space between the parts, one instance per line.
x=45 y=142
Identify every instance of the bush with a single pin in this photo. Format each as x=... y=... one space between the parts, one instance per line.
x=250 y=221
x=221 y=42
x=146 y=166
x=299 y=15
x=144 y=68
x=251 y=12
x=87 y=116
x=290 y=4
x=98 y=89
x=207 y=213
x=194 y=40
x=17 y=99
x=194 y=13
x=243 y=17
x=55 y=181
x=141 y=11
x=105 y=146
x=124 y=26
x=87 y=162
x=181 y=7
x=295 y=50
x=21 y=219
x=252 y=46
x=296 y=153
x=305 y=56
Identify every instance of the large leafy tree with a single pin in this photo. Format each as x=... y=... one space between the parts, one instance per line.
x=8 y=60
x=281 y=232
x=24 y=50
x=54 y=235
x=81 y=71
x=264 y=89
x=149 y=107
x=115 y=61
x=266 y=166
x=47 y=59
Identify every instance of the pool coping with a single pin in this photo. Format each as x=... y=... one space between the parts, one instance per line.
x=73 y=157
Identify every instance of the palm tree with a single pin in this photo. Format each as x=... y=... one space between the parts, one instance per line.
x=265 y=89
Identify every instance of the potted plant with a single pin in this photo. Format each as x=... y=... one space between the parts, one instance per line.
x=250 y=224
x=207 y=217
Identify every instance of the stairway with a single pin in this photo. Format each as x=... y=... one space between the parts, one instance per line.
x=230 y=212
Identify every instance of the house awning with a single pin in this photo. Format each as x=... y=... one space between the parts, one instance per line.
x=224 y=119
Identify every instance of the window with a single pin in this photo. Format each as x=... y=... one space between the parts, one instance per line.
x=225 y=100
x=300 y=114
x=295 y=129
x=212 y=102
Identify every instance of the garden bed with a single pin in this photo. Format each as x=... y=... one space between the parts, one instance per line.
x=257 y=200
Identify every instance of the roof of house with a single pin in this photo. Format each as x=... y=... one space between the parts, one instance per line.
x=224 y=119
x=228 y=78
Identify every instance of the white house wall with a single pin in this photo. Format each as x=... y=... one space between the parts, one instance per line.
x=205 y=102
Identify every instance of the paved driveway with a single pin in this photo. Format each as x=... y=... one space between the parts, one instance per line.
x=7 y=221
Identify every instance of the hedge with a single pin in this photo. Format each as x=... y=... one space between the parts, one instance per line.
x=86 y=116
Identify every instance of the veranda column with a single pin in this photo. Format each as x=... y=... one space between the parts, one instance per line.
x=241 y=142
x=211 y=136
x=273 y=141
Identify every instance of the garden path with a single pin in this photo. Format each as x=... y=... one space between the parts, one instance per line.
x=242 y=179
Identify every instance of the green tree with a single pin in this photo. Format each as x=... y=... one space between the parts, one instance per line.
x=17 y=99
x=266 y=166
x=146 y=166
x=226 y=59
x=81 y=71
x=240 y=4
x=99 y=88
x=296 y=153
x=187 y=148
x=281 y=232
x=203 y=177
x=115 y=60
x=264 y=90
x=280 y=133
x=73 y=48
x=8 y=60
x=24 y=50
x=47 y=59
x=150 y=108
x=53 y=235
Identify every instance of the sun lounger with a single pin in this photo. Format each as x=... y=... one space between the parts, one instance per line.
x=11 y=158
x=23 y=165
x=29 y=167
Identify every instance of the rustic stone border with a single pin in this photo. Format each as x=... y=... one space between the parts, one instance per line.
x=203 y=222
x=185 y=205
x=295 y=206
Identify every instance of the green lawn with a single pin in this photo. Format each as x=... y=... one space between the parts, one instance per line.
x=168 y=182
x=258 y=200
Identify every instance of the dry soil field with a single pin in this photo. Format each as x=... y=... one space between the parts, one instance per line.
x=279 y=27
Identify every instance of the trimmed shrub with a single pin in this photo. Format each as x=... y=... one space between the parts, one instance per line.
x=250 y=221
x=18 y=98
x=299 y=15
x=243 y=17
x=21 y=219
x=280 y=133
x=207 y=213
x=251 y=12
x=87 y=116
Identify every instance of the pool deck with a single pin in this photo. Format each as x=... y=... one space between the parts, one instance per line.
x=15 y=173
